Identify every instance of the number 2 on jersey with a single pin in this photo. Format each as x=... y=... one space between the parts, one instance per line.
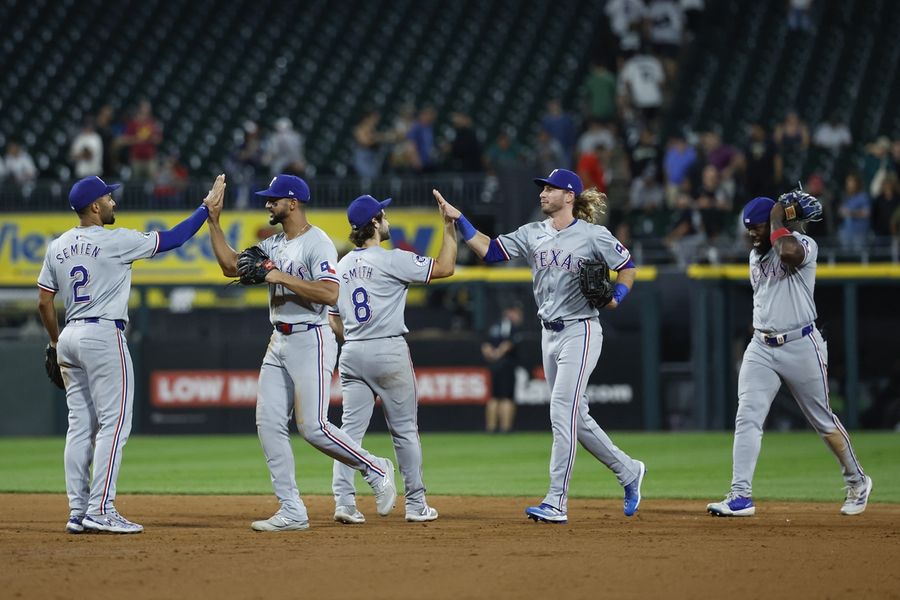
x=361 y=309
x=80 y=274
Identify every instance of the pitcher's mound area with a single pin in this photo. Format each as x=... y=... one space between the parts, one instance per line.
x=202 y=547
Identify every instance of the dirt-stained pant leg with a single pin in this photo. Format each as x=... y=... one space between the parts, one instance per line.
x=79 y=450
x=803 y=364
x=309 y=358
x=570 y=356
x=382 y=367
x=757 y=385
x=274 y=407
x=358 y=401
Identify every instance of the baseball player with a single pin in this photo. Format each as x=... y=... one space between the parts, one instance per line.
x=295 y=377
x=375 y=359
x=786 y=347
x=91 y=266
x=555 y=248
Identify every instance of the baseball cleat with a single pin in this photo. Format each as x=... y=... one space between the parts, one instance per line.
x=279 y=522
x=111 y=522
x=546 y=514
x=421 y=516
x=732 y=506
x=75 y=524
x=349 y=515
x=857 y=498
x=633 y=492
x=385 y=490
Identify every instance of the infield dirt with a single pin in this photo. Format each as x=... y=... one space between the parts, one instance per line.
x=202 y=547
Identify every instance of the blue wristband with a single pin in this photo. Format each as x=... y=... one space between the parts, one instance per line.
x=465 y=228
x=620 y=293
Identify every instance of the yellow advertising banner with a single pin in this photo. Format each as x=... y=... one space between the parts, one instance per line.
x=24 y=238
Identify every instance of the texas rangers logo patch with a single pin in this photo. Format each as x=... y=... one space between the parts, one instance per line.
x=327 y=268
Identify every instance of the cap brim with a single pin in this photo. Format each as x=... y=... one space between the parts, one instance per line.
x=113 y=187
x=385 y=202
x=542 y=182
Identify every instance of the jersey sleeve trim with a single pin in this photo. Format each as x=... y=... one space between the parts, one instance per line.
x=496 y=252
x=335 y=312
x=331 y=278
x=47 y=288
x=156 y=248
x=430 y=270
x=628 y=264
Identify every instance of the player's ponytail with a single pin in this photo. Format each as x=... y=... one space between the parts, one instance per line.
x=589 y=205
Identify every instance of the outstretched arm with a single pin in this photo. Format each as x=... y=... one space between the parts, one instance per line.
x=320 y=291
x=445 y=263
x=178 y=235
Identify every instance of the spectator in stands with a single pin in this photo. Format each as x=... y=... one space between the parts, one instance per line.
x=284 y=150
x=646 y=215
x=644 y=154
x=561 y=127
x=724 y=157
x=599 y=94
x=246 y=162
x=143 y=134
x=665 y=21
x=625 y=20
x=885 y=205
x=641 y=84
x=421 y=134
x=109 y=130
x=791 y=135
x=505 y=152
x=855 y=211
x=876 y=164
x=86 y=152
x=18 y=164
x=590 y=168
x=677 y=162
x=714 y=204
x=368 y=152
x=833 y=134
x=170 y=181
x=403 y=157
x=548 y=153
x=798 y=15
x=464 y=153
x=686 y=232
x=762 y=164
x=597 y=134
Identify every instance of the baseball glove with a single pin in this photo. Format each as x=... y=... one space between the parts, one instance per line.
x=800 y=206
x=253 y=264
x=51 y=364
x=595 y=284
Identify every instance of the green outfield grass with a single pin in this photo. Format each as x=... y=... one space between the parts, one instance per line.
x=792 y=466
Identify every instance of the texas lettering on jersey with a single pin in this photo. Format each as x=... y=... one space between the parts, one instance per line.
x=557 y=259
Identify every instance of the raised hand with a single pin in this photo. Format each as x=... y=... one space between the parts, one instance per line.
x=215 y=198
x=448 y=211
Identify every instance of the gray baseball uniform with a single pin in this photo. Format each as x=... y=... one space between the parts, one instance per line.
x=295 y=377
x=375 y=360
x=571 y=341
x=786 y=346
x=91 y=268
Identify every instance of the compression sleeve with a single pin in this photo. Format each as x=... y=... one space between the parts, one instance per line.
x=184 y=231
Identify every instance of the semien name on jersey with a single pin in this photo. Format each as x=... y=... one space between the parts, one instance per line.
x=82 y=249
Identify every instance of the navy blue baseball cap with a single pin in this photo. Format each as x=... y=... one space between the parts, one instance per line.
x=364 y=209
x=286 y=186
x=89 y=190
x=562 y=179
x=757 y=211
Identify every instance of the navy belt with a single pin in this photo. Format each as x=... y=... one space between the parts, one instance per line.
x=120 y=324
x=780 y=339
x=289 y=328
x=559 y=324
